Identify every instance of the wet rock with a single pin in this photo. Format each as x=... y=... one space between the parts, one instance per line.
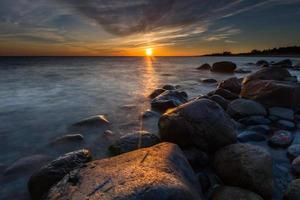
x=200 y=123
x=294 y=150
x=293 y=191
x=246 y=166
x=232 y=84
x=156 y=93
x=281 y=138
x=168 y=99
x=296 y=165
x=255 y=120
x=204 y=67
x=224 y=93
x=270 y=73
x=208 y=80
x=67 y=139
x=284 y=63
x=224 y=67
x=234 y=193
x=244 y=107
x=285 y=124
x=97 y=120
x=242 y=71
x=262 y=63
x=27 y=165
x=273 y=93
x=248 y=136
x=283 y=113
x=196 y=157
x=42 y=180
x=159 y=171
x=169 y=87
x=149 y=114
x=133 y=141
x=220 y=100
x=264 y=129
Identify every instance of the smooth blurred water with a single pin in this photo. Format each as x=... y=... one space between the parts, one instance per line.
x=41 y=97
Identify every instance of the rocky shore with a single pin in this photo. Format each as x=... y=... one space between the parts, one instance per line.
x=239 y=141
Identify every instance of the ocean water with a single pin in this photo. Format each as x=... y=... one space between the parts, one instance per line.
x=40 y=97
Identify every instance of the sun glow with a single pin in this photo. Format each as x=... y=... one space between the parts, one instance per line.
x=149 y=52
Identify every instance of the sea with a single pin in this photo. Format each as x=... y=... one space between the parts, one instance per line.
x=41 y=97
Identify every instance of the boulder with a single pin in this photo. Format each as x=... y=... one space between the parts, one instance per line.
x=27 y=165
x=224 y=93
x=220 y=100
x=248 y=136
x=262 y=63
x=97 y=120
x=130 y=142
x=67 y=139
x=296 y=165
x=159 y=172
x=293 y=191
x=246 y=166
x=224 y=67
x=201 y=123
x=156 y=93
x=208 y=80
x=255 y=120
x=42 y=180
x=244 y=107
x=232 y=84
x=204 y=67
x=168 y=99
x=281 y=138
x=270 y=73
x=273 y=93
x=283 y=113
x=284 y=63
x=234 y=193
x=294 y=150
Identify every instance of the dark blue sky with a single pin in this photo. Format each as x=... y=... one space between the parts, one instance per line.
x=128 y=27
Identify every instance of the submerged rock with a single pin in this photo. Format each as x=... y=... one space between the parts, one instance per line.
x=168 y=99
x=234 y=193
x=66 y=139
x=294 y=150
x=273 y=93
x=42 y=180
x=97 y=120
x=281 y=138
x=27 y=164
x=224 y=67
x=246 y=166
x=232 y=84
x=244 y=107
x=200 y=123
x=204 y=67
x=130 y=142
x=293 y=191
x=208 y=80
x=283 y=113
x=159 y=172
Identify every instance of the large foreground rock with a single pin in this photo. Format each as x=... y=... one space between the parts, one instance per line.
x=168 y=99
x=270 y=73
x=225 y=67
x=244 y=107
x=159 y=172
x=234 y=193
x=42 y=180
x=201 y=123
x=245 y=166
x=273 y=93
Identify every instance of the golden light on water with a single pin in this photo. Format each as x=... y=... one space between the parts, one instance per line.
x=149 y=52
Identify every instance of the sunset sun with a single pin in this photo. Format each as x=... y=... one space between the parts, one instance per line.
x=149 y=52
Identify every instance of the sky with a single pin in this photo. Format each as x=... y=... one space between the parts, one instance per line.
x=129 y=27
